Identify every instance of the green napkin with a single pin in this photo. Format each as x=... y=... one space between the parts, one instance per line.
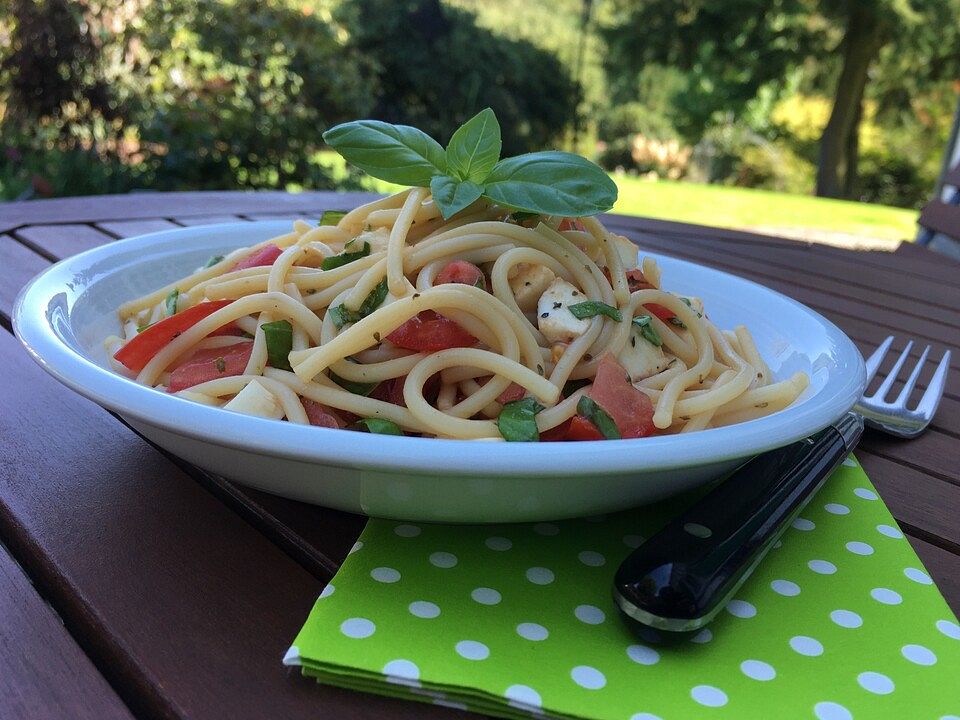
x=839 y=621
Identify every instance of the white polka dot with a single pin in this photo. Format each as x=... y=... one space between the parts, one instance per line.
x=443 y=559
x=328 y=591
x=803 y=524
x=539 y=575
x=785 y=587
x=589 y=614
x=591 y=558
x=890 y=531
x=588 y=677
x=643 y=655
x=498 y=543
x=472 y=650
x=918 y=576
x=532 y=631
x=485 y=596
x=402 y=672
x=523 y=696
x=846 y=618
x=702 y=637
x=546 y=529
x=407 y=531
x=806 y=645
x=875 y=682
x=859 y=548
x=919 y=655
x=709 y=696
x=385 y=575
x=292 y=656
x=645 y=716
x=823 y=567
x=831 y=711
x=865 y=494
x=949 y=717
x=949 y=628
x=850 y=462
x=357 y=628
x=697 y=530
x=836 y=509
x=757 y=670
x=423 y=609
x=741 y=609
x=886 y=596
x=356 y=546
x=632 y=541
x=778 y=544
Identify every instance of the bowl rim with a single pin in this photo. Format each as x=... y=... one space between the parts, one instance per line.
x=426 y=456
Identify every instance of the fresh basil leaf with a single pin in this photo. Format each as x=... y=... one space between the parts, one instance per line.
x=678 y=322
x=171 y=302
x=380 y=426
x=279 y=339
x=342 y=315
x=357 y=388
x=551 y=183
x=335 y=261
x=572 y=386
x=452 y=195
x=517 y=420
x=141 y=328
x=331 y=217
x=213 y=260
x=395 y=153
x=475 y=147
x=647 y=330
x=590 y=308
x=599 y=417
x=689 y=304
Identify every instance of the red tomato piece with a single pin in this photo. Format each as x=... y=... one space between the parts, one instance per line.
x=210 y=364
x=140 y=350
x=391 y=391
x=320 y=415
x=513 y=392
x=430 y=332
x=636 y=280
x=461 y=271
x=571 y=224
x=629 y=408
x=582 y=429
x=267 y=255
x=660 y=311
x=557 y=433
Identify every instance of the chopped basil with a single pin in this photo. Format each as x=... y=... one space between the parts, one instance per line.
x=598 y=416
x=647 y=331
x=678 y=322
x=590 y=308
x=332 y=217
x=481 y=283
x=357 y=388
x=342 y=315
x=689 y=304
x=346 y=258
x=380 y=426
x=141 y=328
x=213 y=260
x=279 y=337
x=573 y=385
x=517 y=421
x=171 y=303
x=221 y=365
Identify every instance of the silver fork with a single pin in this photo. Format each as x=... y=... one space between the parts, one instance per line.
x=894 y=417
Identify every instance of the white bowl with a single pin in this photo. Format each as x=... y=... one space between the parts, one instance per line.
x=63 y=315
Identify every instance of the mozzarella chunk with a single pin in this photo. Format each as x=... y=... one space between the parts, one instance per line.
x=641 y=358
x=529 y=283
x=628 y=251
x=255 y=399
x=554 y=319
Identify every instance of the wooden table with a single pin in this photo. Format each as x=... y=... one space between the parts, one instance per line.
x=134 y=584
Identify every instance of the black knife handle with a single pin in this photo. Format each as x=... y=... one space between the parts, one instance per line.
x=682 y=576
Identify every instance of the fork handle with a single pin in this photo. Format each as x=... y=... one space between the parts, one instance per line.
x=680 y=578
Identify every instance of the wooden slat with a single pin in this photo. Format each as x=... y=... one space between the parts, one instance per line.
x=18 y=264
x=44 y=675
x=942 y=218
x=206 y=219
x=130 y=228
x=182 y=204
x=186 y=607
x=933 y=452
x=944 y=568
x=60 y=241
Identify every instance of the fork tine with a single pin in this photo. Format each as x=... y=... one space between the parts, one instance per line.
x=931 y=398
x=912 y=380
x=873 y=362
x=891 y=377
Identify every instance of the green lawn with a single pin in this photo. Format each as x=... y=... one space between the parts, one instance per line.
x=800 y=216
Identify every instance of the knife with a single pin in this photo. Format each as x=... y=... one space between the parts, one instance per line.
x=676 y=582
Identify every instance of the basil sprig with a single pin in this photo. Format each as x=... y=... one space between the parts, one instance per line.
x=335 y=261
x=342 y=315
x=550 y=183
x=357 y=388
x=279 y=339
x=213 y=260
x=380 y=426
x=588 y=407
x=647 y=330
x=171 y=302
x=590 y=308
x=517 y=420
